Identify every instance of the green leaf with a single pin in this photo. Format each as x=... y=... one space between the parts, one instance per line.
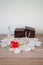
x=20 y=44
x=8 y=46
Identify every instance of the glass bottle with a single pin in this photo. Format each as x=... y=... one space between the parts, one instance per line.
x=9 y=32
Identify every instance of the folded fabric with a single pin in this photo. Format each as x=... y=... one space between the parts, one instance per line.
x=20 y=44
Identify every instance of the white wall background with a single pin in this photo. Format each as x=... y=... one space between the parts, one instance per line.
x=21 y=13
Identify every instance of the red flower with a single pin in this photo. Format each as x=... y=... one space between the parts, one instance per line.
x=14 y=44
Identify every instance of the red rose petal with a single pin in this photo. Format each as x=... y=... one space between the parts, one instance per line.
x=14 y=44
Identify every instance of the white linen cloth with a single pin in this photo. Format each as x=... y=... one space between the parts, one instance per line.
x=28 y=44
